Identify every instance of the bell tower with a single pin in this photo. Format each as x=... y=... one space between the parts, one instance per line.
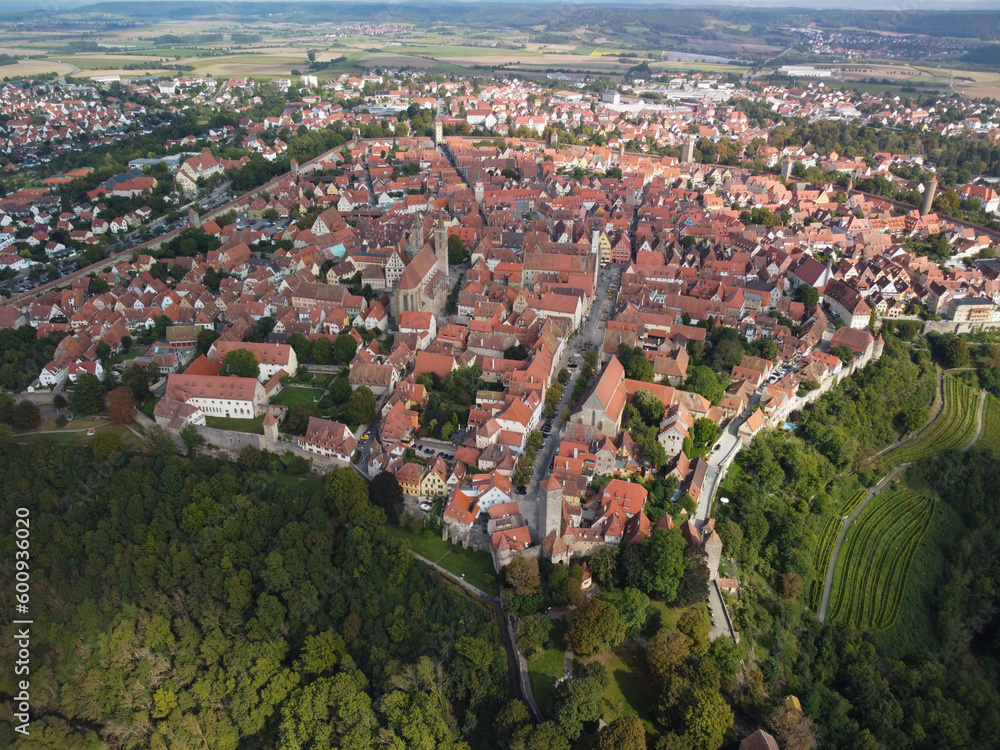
x=441 y=246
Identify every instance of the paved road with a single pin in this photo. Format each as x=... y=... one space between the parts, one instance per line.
x=590 y=335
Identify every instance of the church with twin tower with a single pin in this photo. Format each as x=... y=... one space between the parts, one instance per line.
x=424 y=287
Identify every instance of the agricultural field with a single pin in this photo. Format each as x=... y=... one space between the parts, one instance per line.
x=872 y=569
x=953 y=428
x=827 y=540
x=989 y=438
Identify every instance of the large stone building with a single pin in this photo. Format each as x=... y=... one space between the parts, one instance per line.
x=604 y=401
x=423 y=287
x=272 y=358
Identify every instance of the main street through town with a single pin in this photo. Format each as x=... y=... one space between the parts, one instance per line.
x=590 y=336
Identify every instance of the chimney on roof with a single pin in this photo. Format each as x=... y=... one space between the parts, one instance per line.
x=930 y=187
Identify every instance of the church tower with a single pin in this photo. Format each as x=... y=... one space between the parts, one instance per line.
x=441 y=246
x=417 y=234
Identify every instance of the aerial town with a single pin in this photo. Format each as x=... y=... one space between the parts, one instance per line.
x=561 y=317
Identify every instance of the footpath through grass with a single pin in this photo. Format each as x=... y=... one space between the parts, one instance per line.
x=548 y=666
x=477 y=566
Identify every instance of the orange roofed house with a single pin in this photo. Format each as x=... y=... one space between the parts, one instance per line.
x=188 y=399
x=328 y=438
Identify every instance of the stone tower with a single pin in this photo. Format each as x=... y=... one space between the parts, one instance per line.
x=441 y=246
x=194 y=220
x=417 y=233
x=438 y=132
x=930 y=187
x=687 y=154
x=480 y=192
x=786 y=168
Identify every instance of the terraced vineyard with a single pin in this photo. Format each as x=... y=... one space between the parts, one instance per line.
x=827 y=540
x=953 y=428
x=990 y=436
x=874 y=563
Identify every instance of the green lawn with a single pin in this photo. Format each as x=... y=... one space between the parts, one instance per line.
x=631 y=689
x=477 y=566
x=294 y=394
x=734 y=473
x=148 y=405
x=255 y=426
x=547 y=667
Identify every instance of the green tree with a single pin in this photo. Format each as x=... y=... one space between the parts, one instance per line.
x=533 y=633
x=302 y=346
x=806 y=295
x=297 y=418
x=706 y=432
x=703 y=380
x=843 y=353
x=708 y=719
x=666 y=652
x=726 y=354
x=360 y=407
x=954 y=352
x=241 y=363
x=105 y=444
x=191 y=437
x=88 y=395
x=522 y=575
x=594 y=627
x=25 y=416
x=349 y=493
x=631 y=605
x=726 y=655
x=340 y=389
x=545 y=736
x=206 y=337
x=103 y=351
x=624 y=733
x=512 y=717
x=664 y=555
x=695 y=625
x=345 y=348
x=518 y=351
x=386 y=493
x=649 y=407
x=322 y=351
x=578 y=701
x=251 y=458
x=457 y=251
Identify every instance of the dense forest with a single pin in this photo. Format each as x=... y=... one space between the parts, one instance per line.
x=859 y=689
x=187 y=602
